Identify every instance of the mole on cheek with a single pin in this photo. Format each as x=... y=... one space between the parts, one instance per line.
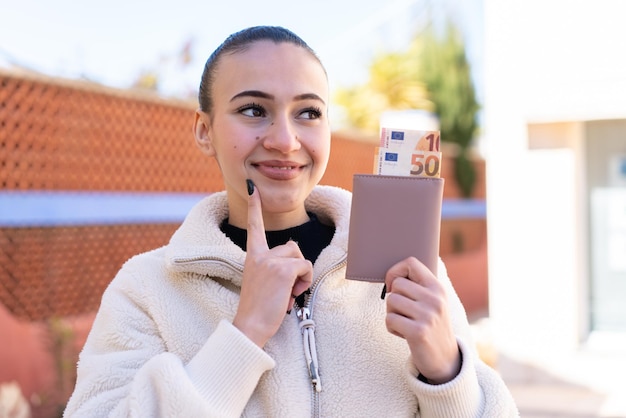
x=257 y=138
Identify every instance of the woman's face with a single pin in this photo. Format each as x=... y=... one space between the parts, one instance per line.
x=269 y=123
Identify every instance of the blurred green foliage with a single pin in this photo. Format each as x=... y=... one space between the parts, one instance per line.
x=433 y=74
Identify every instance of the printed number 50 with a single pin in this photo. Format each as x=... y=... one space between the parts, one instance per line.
x=427 y=164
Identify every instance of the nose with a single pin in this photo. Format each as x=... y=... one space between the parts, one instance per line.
x=282 y=136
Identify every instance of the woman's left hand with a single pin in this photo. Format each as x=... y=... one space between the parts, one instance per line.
x=417 y=310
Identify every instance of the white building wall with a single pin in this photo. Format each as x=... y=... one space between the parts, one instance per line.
x=565 y=57
x=546 y=61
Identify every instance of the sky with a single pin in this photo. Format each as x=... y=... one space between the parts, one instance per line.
x=112 y=42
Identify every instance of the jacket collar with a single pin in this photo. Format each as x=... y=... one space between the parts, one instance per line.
x=199 y=246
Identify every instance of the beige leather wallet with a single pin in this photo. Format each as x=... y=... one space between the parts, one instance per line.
x=392 y=218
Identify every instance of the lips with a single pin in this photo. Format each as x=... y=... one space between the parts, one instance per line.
x=279 y=170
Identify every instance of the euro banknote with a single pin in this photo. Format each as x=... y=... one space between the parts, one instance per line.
x=404 y=152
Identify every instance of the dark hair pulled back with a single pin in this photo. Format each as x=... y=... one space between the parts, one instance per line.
x=238 y=42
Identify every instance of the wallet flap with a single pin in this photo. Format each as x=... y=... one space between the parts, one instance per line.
x=392 y=218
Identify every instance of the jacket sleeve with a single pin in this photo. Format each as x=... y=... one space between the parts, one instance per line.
x=125 y=370
x=477 y=391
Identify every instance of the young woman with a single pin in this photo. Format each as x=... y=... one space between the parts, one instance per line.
x=246 y=312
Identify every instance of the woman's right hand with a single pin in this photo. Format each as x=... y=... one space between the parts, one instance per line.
x=272 y=278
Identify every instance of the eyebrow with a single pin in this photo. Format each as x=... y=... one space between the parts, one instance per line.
x=263 y=95
x=309 y=96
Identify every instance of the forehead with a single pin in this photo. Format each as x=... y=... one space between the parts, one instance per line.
x=271 y=67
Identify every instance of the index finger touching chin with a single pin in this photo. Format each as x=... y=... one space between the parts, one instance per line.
x=256 y=240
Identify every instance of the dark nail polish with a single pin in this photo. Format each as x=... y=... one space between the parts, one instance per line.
x=382 y=295
x=250 y=185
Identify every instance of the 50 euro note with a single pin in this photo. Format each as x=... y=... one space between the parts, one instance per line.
x=404 y=152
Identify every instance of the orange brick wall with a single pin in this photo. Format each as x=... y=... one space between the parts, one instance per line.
x=56 y=136
x=62 y=271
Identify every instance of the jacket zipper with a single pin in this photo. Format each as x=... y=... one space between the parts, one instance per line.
x=307 y=328
x=305 y=317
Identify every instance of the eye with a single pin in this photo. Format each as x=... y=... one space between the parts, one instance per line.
x=252 y=110
x=311 y=113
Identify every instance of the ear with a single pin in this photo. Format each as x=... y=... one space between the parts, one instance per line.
x=201 y=129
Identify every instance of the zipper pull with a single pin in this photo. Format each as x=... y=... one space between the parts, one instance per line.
x=307 y=327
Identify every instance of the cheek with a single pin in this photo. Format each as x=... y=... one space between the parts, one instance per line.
x=320 y=155
x=232 y=144
x=321 y=152
x=231 y=155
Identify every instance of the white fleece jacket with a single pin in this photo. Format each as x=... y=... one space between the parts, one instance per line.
x=163 y=344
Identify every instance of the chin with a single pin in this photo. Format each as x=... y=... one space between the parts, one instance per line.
x=281 y=206
x=282 y=202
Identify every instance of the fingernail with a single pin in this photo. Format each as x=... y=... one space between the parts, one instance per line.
x=382 y=295
x=250 y=185
x=289 y=312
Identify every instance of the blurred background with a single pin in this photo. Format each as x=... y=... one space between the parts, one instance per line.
x=98 y=163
